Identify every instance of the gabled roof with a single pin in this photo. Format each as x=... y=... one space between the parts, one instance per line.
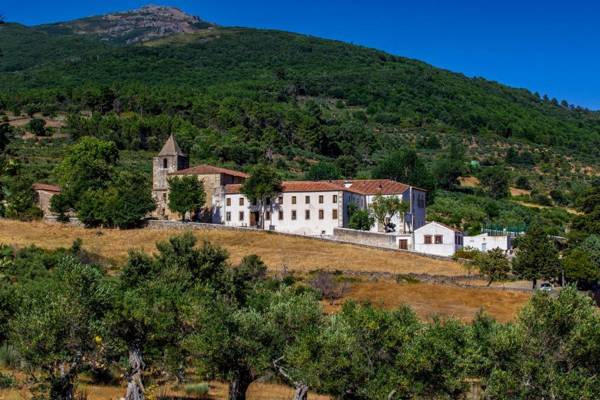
x=171 y=148
x=440 y=224
x=206 y=169
x=374 y=186
x=46 y=187
x=297 y=186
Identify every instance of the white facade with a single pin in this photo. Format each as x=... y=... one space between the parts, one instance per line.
x=304 y=213
x=437 y=239
x=415 y=216
x=485 y=242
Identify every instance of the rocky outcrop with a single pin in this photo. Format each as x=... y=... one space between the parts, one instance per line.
x=146 y=23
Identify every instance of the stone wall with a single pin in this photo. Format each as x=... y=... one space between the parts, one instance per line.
x=365 y=237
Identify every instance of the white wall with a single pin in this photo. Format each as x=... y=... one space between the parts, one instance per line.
x=448 y=246
x=314 y=225
x=485 y=242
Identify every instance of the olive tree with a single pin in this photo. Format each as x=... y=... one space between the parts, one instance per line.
x=57 y=328
x=154 y=296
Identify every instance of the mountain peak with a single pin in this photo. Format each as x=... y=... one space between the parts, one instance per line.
x=139 y=25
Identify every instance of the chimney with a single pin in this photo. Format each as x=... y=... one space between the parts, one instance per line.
x=347 y=183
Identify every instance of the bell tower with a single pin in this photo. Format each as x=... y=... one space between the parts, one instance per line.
x=169 y=160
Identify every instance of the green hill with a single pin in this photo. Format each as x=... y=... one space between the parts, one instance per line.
x=238 y=96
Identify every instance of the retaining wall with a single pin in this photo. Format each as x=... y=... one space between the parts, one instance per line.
x=365 y=237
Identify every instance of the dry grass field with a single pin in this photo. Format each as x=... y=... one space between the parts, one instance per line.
x=296 y=253
x=218 y=391
x=429 y=300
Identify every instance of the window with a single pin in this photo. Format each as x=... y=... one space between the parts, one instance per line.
x=321 y=214
x=334 y=214
x=228 y=216
x=228 y=201
x=403 y=244
x=293 y=215
x=307 y=199
x=293 y=199
x=165 y=163
x=164 y=196
x=268 y=215
x=427 y=239
x=241 y=215
x=335 y=198
x=280 y=199
x=307 y=214
x=320 y=199
x=439 y=239
x=268 y=202
x=281 y=215
x=241 y=201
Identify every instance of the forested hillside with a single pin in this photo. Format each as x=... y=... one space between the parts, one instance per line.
x=238 y=97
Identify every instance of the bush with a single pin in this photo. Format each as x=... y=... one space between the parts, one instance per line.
x=466 y=253
x=9 y=358
x=523 y=183
x=6 y=381
x=198 y=389
x=328 y=286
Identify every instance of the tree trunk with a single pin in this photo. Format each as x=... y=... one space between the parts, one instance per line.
x=239 y=385
x=301 y=392
x=534 y=283
x=62 y=388
x=135 y=388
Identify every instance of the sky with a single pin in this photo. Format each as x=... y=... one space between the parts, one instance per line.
x=550 y=47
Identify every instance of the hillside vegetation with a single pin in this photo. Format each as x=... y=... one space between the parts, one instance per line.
x=238 y=97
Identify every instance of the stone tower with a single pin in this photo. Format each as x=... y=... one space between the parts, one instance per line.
x=170 y=159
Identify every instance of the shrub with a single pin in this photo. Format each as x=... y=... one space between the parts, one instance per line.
x=9 y=357
x=198 y=389
x=466 y=253
x=6 y=381
x=523 y=183
x=328 y=286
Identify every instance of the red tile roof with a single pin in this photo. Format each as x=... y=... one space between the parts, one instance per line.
x=206 y=169
x=375 y=186
x=362 y=186
x=299 y=186
x=46 y=187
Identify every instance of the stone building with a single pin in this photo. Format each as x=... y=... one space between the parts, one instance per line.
x=170 y=163
x=45 y=192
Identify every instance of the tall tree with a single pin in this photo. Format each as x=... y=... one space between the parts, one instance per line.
x=186 y=195
x=263 y=185
x=88 y=165
x=322 y=171
x=493 y=264
x=150 y=319
x=495 y=181
x=57 y=328
x=552 y=351
x=536 y=257
x=405 y=166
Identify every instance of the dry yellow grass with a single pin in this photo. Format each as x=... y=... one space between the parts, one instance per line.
x=429 y=300
x=218 y=391
x=469 y=181
x=297 y=253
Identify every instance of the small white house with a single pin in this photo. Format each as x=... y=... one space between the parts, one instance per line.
x=484 y=242
x=437 y=239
